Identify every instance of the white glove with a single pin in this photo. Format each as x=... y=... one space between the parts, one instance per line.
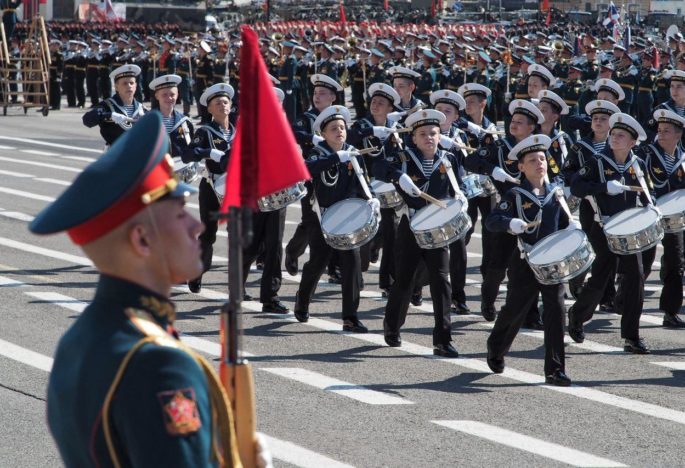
x=396 y=116
x=375 y=205
x=216 y=155
x=573 y=225
x=262 y=454
x=507 y=97
x=445 y=71
x=409 y=186
x=446 y=142
x=500 y=175
x=517 y=225
x=316 y=139
x=118 y=118
x=567 y=191
x=346 y=155
x=474 y=129
x=381 y=132
x=614 y=187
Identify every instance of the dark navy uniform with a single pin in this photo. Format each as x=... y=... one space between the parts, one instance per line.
x=101 y=115
x=523 y=288
x=92 y=74
x=652 y=123
x=592 y=180
x=644 y=100
x=204 y=77
x=9 y=16
x=291 y=87
x=56 y=69
x=181 y=134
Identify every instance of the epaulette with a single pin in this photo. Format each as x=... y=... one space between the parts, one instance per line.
x=145 y=324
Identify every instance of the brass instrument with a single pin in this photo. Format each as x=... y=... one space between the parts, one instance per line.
x=557 y=47
x=277 y=37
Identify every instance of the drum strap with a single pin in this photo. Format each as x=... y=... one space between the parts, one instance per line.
x=562 y=201
x=641 y=178
x=360 y=176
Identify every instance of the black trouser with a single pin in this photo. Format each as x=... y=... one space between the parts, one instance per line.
x=386 y=273
x=267 y=232
x=92 y=75
x=55 y=95
x=319 y=254
x=209 y=205
x=586 y=216
x=358 y=100
x=522 y=292
x=69 y=87
x=484 y=205
x=458 y=270
x=298 y=243
x=632 y=285
x=79 y=79
x=105 y=85
x=671 y=299
x=437 y=264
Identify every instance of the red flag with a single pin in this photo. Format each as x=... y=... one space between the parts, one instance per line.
x=545 y=5
x=343 y=19
x=657 y=59
x=264 y=157
x=385 y=5
x=549 y=17
x=432 y=8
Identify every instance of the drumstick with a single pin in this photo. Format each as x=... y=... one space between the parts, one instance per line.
x=433 y=200
x=533 y=224
x=402 y=130
x=465 y=147
x=633 y=188
x=368 y=150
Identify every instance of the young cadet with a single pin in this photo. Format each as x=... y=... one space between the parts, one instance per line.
x=126 y=212
x=212 y=144
x=665 y=160
x=676 y=103
x=375 y=130
x=179 y=127
x=605 y=89
x=606 y=179
x=535 y=199
x=404 y=82
x=452 y=139
x=415 y=170
x=324 y=95
x=116 y=114
x=492 y=160
x=333 y=180
x=582 y=151
x=553 y=107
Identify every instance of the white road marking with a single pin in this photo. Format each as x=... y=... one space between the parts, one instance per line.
x=53 y=145
x=48 y=180
x=329 y=384
x=9 y=282
x=59 y=300
x=3 y=147
x=16 y=215
x=40 y=164
x=674 y=365
x=529 y=444
x=79 y=158
x=39 y=153
x=21 y=193
x=25 y=356
x=78 y=260
x=300 y=456
x=16 y=174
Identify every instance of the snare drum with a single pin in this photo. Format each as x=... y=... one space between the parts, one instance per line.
x=435 y=227
x=672 y=206
x=386 y=194
x=349 y=224
x=187 y=173
x=488 y=185
x=560 y=257
x=219 y=185
x=282 y=198
x=634 y=230
x=573 y=203
x=472 y=187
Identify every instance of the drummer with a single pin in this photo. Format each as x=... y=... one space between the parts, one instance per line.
x=606 y=179
x=178 y=126
x=676 y=103
x=605 y=90
x=534 y=200
x=375 y=130
x=116 y=114
x=553 y=107
x=492 y=160
x=404 y=82
x=666 y=168
x=454 y=140
x=324 y=94
x=212 y=144
x=582 y=151
x=334 y=180
x=416 y=170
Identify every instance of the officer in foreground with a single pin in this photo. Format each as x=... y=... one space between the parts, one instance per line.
x=123 y=389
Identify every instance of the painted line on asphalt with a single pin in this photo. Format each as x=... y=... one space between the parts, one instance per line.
x=16 y=174
x=329 y=384
x=529 y=444
x=53 y=145
x=25 y=356
x=60 y=300
x=674 y=365
x=40 y=164
x=3 y=147
x=16 y=215
x=10 y=283
x=79 y=158
x=78 y=260
x=38 y=152
x=23 y=194
x=49 y=180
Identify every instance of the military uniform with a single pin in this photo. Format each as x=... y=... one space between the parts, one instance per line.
x=644 y=100
x=101 y=115
x=56 y=70
x=92 y=75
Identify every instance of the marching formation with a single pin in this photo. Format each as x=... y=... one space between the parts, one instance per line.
x=404 y=177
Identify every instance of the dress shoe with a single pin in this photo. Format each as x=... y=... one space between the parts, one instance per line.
x=575 y=327
x=275 y=307
x=385 y=292
x=460 y=308
x=673 y=321
x=445 y=350
x=301 y=310
x=635 y=346
x=489 y=313
x=259 y=266
x=247 y=297
x=558 y=379
x=534 y=325
x=290 y=264
x=607 y=307
x=496 y=365
x=416 y=299
x=354 y=325
x=393 y=341
x=374 y=255
x=195 y=285
x=575 y=291
x=334 y=277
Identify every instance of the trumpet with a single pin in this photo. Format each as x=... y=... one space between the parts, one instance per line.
x=557 y=48
x=277 y=37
